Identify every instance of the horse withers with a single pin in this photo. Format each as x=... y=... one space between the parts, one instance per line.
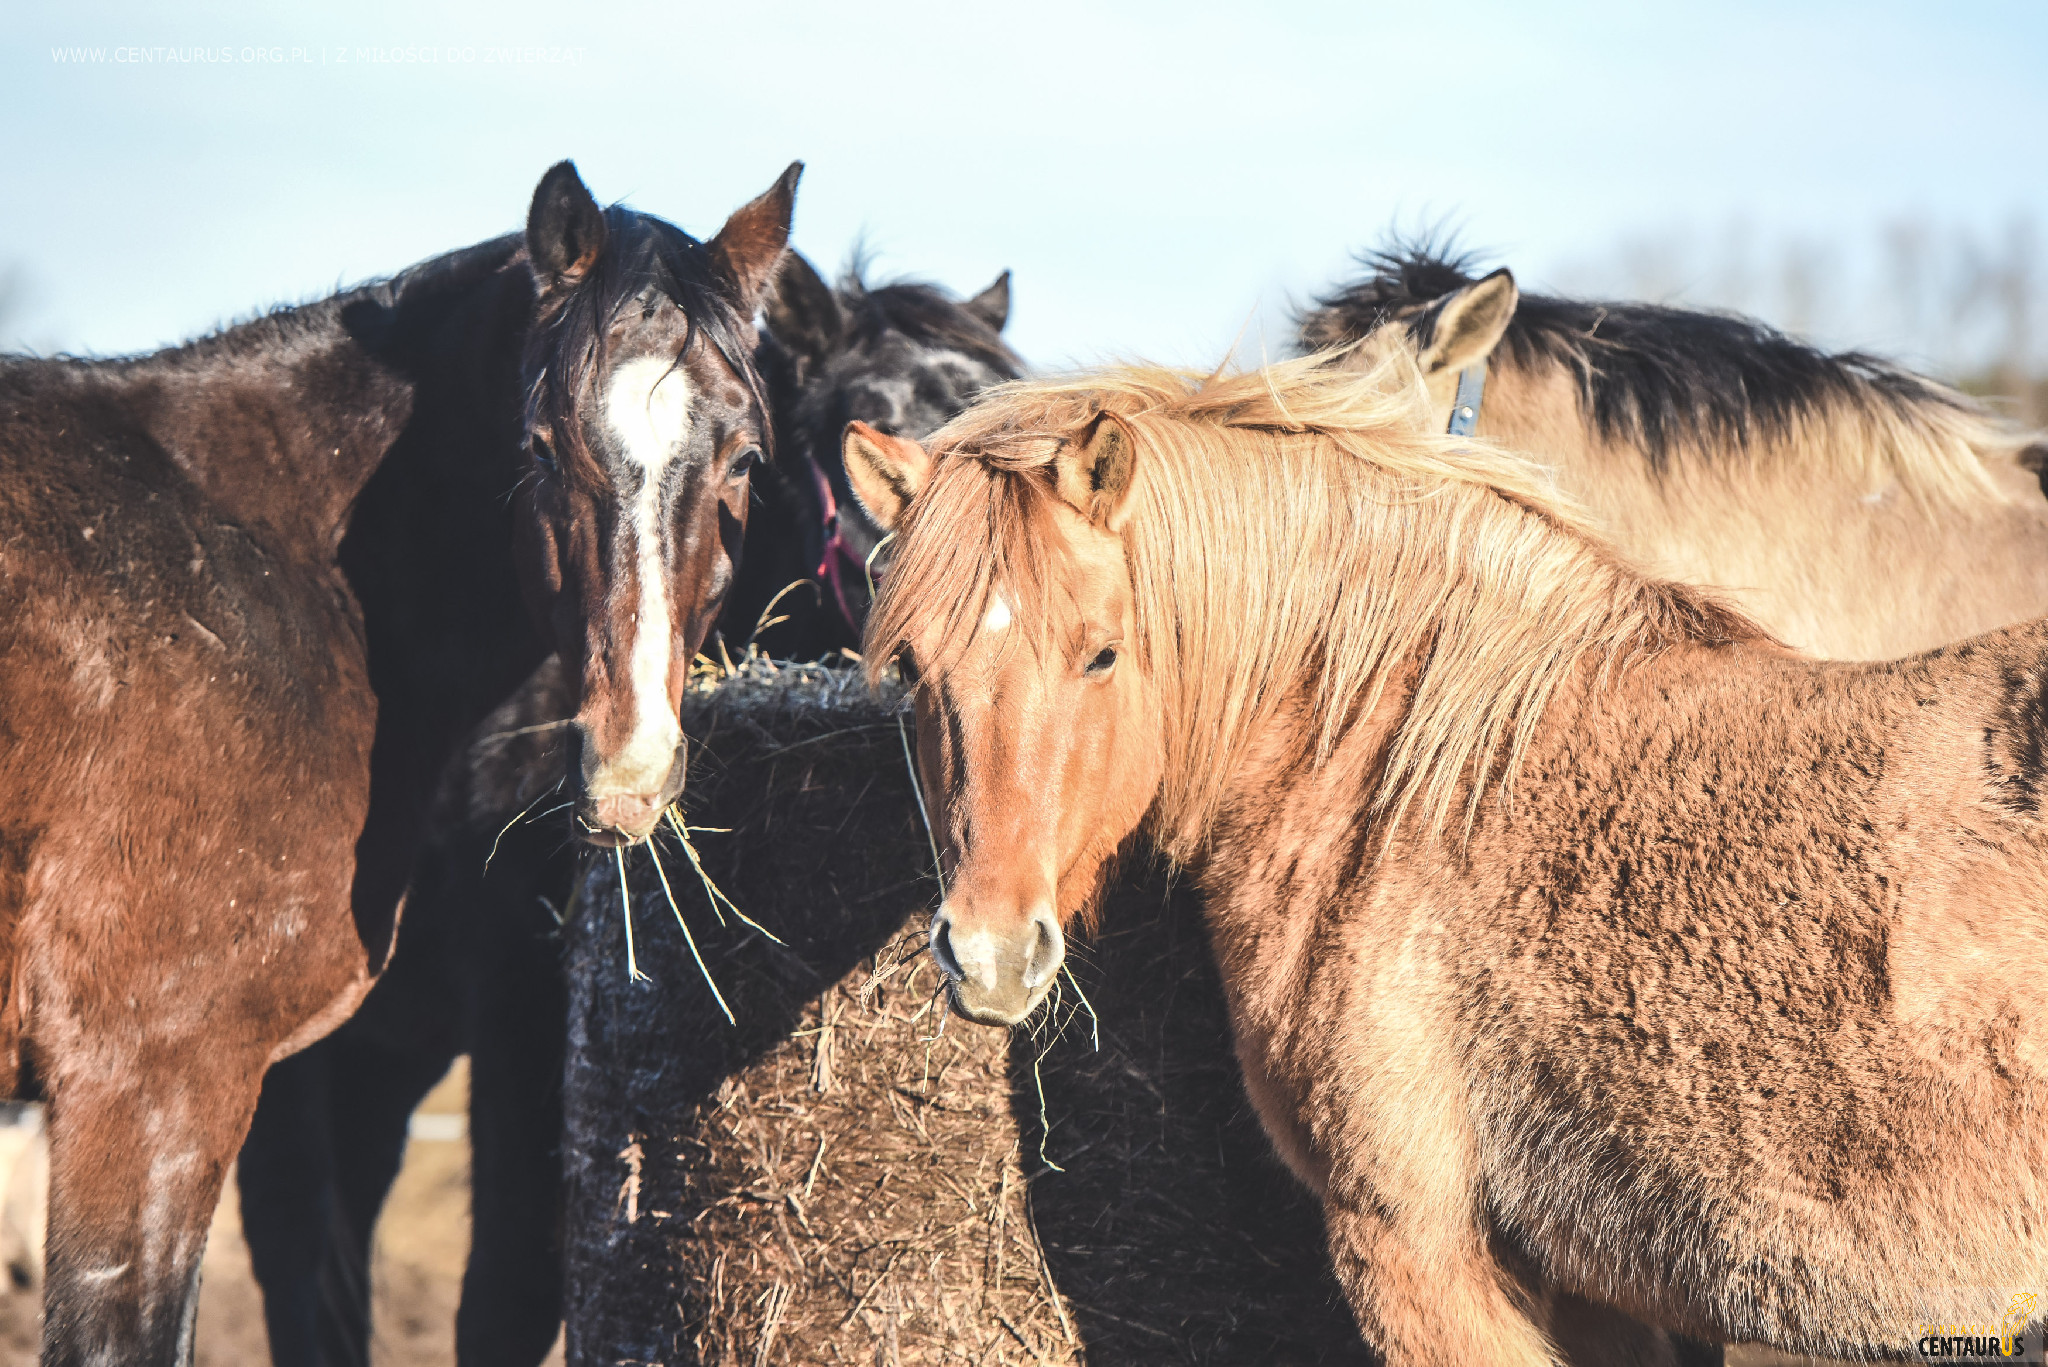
x=1587 y=950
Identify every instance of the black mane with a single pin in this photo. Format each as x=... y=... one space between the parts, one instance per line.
x=1658 y=377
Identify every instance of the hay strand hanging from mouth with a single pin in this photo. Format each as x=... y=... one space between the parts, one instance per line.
x=633 y=973
x=688 y=938
x=711 y=889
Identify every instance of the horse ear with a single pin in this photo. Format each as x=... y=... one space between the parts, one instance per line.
x=1097 y=473
x=992 y=305
x=565 y=230
x=750 y=245
x=886 y=472
x=803 y=313
x=1470 y=323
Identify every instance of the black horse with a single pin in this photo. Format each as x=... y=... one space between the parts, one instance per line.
x=477 y=967
x=901 y=357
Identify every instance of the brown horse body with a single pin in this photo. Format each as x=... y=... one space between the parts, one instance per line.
x=188 y=735
x=1745 y=1047
x=1717 y=1011
x=1857 y=510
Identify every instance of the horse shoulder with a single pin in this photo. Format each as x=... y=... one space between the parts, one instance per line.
x=1307 y=906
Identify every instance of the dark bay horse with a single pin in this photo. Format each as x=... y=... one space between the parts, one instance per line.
x=253 y=592
x=1586 y=949
x=478 y=968
x=1856 y=509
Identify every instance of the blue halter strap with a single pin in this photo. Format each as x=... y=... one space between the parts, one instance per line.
x=1465 y=407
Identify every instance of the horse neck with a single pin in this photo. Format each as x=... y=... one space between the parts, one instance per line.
x=1839 y=565
x=1290 y=819
x=428 y=551
x=1534 y=408
x=429 y=524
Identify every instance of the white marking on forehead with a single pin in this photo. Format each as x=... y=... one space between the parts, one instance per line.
x=648 y=409
x=998 y=613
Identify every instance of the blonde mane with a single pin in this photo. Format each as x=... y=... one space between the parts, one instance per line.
x=1296 y=527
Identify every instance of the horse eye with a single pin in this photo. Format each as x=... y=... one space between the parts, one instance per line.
x=543 y=455
x=1104 y=661
x=743 y=462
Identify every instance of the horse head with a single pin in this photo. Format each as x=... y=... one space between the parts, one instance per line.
x=1039 y=744
x=904 y=358
x=644 y=420
x=1427 y=306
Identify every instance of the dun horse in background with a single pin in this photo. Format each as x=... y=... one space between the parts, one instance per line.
x=256 y=590
x=1584 y=946
x=1854 y=508
x=479 y=966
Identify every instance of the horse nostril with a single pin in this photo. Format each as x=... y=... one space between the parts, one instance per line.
x=1046 y=951
x=942 y=948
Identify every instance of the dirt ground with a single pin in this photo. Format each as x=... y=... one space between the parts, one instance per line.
x=421 y=1244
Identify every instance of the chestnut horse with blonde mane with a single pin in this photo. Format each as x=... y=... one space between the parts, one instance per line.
x=1582 y=943
x=1855 y=508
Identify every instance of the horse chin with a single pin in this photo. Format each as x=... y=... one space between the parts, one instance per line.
x=610 y=838
x=614 y=823
x=1002 y=1015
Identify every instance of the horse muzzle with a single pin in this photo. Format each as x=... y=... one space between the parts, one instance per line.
x=998 y=977
x=623 y=807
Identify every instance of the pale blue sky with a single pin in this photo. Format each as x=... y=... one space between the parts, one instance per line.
x=1156 y=175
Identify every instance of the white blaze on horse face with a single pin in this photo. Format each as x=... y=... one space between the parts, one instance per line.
x=648 y=410
x=998 y=614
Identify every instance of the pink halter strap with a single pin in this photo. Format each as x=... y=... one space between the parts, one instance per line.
x=839 y=558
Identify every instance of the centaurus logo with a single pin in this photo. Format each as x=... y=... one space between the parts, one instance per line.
x=2003 y=1340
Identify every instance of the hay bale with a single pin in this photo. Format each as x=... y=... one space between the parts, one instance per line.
x=849 y=1175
